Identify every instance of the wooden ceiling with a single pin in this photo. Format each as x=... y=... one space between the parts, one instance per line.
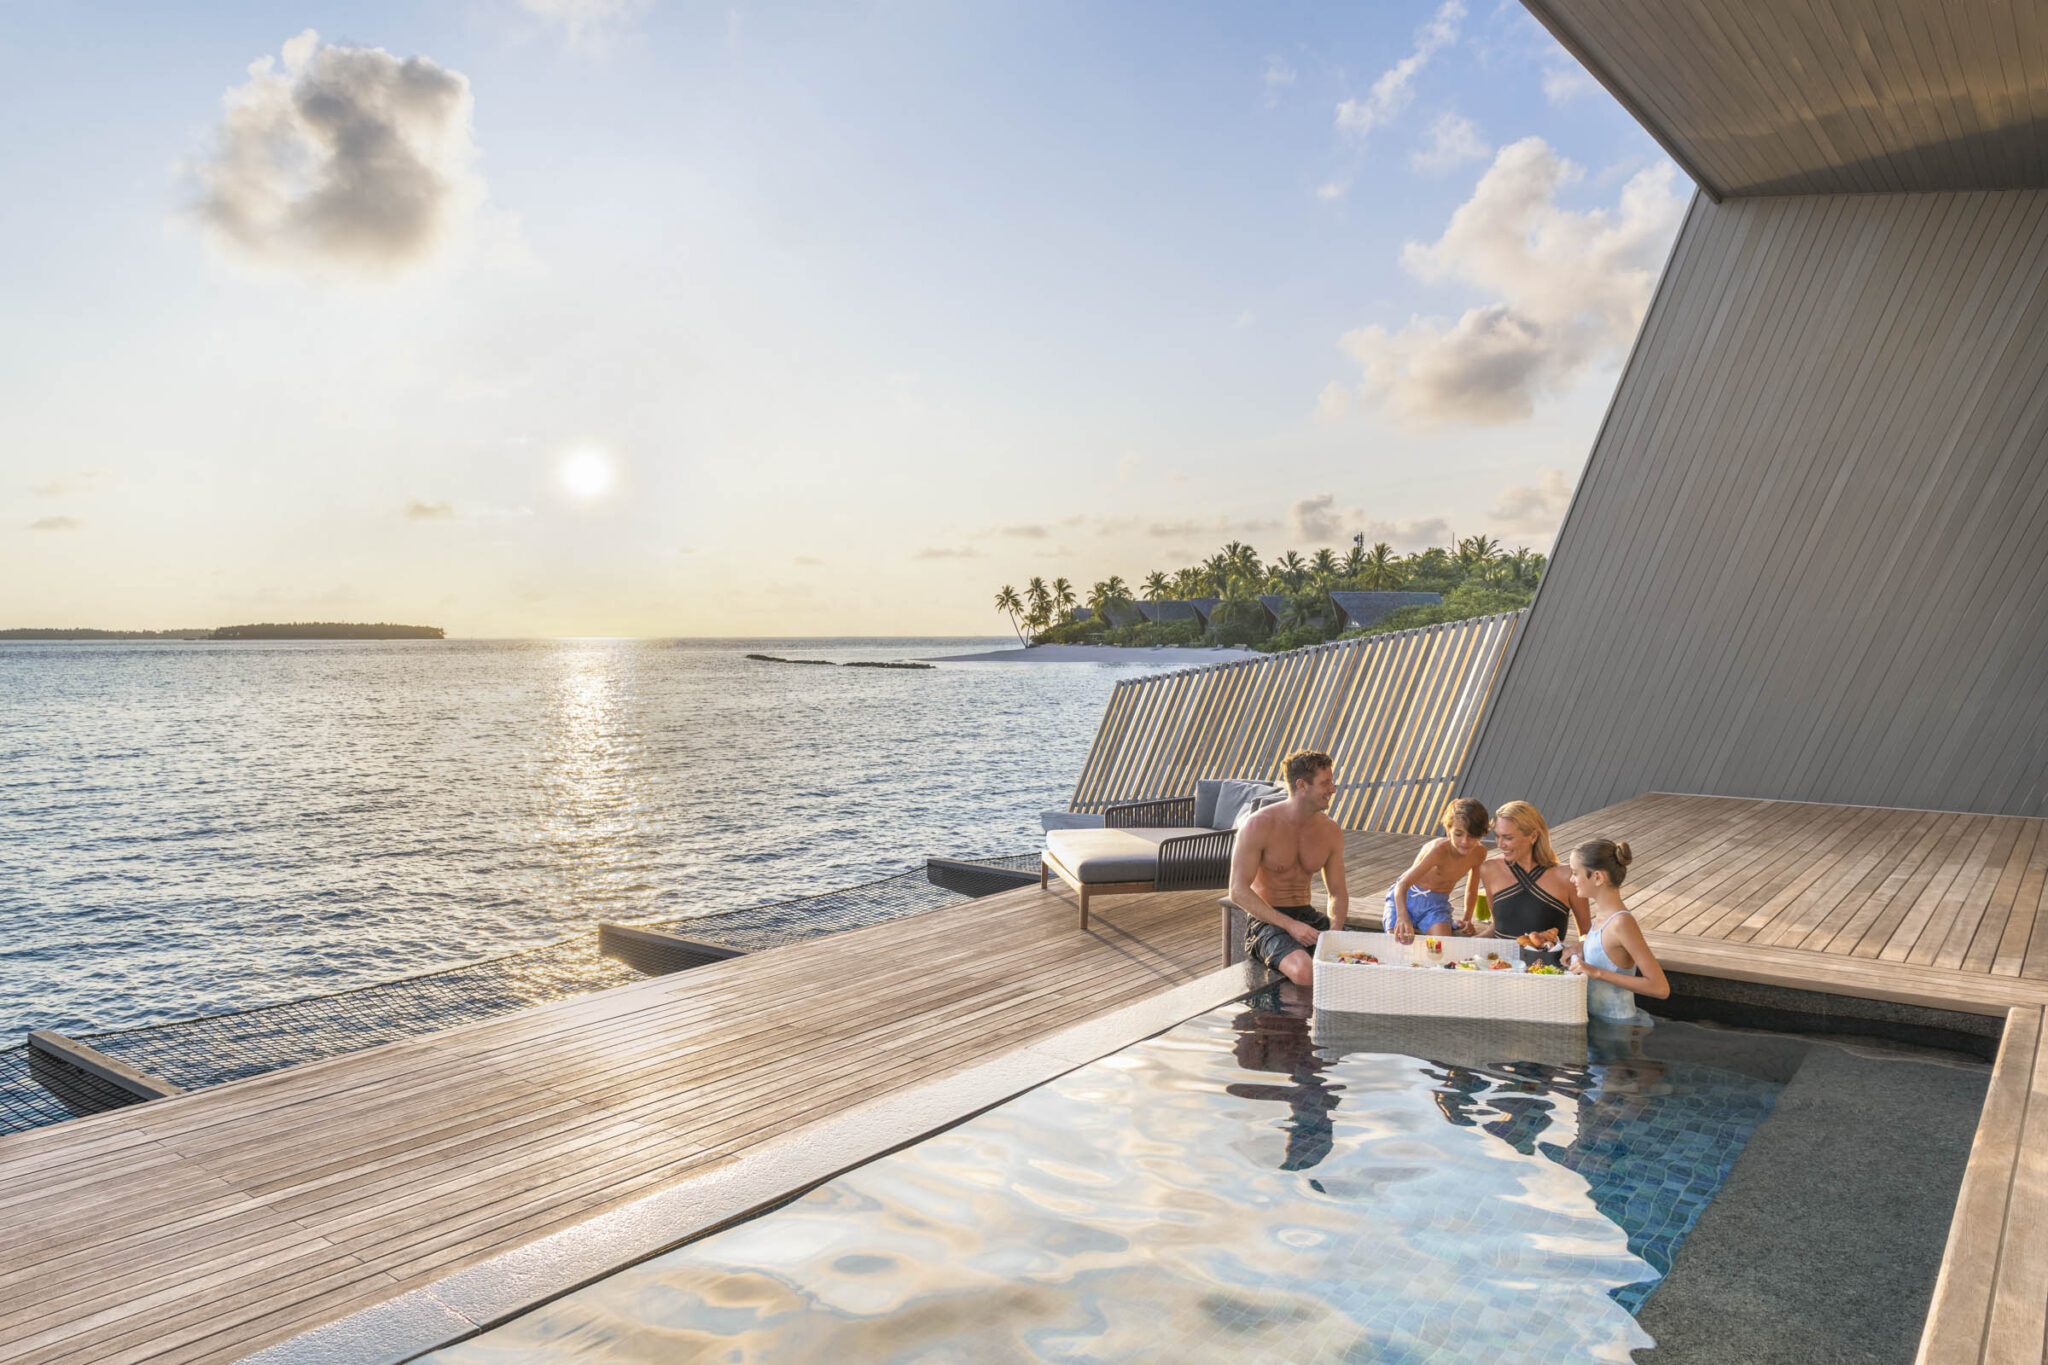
x=1756 y=97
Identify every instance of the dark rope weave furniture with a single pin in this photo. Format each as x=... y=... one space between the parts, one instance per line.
x=1187 y=862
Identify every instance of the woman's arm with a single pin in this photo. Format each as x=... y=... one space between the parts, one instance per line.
x=1624 y=933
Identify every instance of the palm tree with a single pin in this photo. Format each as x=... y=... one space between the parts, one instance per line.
x=1038 y=597
x=1245 y=559
x=1292 y=571
x=1382 y=568
x=1218 y=570
x=1157 y=587
x=1188 y=583
x=1354 y=562
x=1010 y=605
x=1476 y=554
x=1524 y=567
x=1119 y=590
x=1324 y=562
x=1063 y=599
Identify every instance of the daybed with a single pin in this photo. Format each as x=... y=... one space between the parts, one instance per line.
x=1182 y=843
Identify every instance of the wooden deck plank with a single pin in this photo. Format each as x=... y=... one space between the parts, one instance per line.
x=284 y=1201
x=205 y=1227
x=2018 y=1330
x=1961 y=1308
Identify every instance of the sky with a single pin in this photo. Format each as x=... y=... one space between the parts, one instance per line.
x=635 y=317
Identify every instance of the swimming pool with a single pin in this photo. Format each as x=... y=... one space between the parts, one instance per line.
x=1257 y=1186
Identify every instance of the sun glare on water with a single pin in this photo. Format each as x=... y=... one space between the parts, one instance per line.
x=587 y=474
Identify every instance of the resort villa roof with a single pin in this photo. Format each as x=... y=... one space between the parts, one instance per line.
x=1171 y=611
x=1362 y=609
x=1808 y=542
x=1121 y=614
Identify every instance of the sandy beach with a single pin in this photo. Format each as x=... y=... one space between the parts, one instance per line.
x=1161 y=656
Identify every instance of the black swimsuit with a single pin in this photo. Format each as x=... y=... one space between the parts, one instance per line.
x=1526 y=908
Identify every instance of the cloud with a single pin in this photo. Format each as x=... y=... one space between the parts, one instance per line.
x=1451 y=141
x=344 y=160
x=1332 y=189
x=1572 y=288
x=593 y=23
x=1277 y=76
x=809 y=561
x=415 y=510
x=91 y=481
x=1025 y=532
x=1222 y=526
x=1317 y=518
x=1564 y=80
x=940 y=552
x=56 y=524
x=1535 y=508
x=1391 y=93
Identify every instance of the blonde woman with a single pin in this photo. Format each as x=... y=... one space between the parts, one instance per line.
x=1527 y=888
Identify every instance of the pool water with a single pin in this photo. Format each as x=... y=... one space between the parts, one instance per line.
x=1258 y=1186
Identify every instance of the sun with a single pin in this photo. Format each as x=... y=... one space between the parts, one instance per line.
x=587 y=474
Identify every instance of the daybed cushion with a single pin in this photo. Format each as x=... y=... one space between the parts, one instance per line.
x=1069 y=819
x=1112 y=855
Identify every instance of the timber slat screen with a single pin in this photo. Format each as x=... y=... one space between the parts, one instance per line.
x=1397 y=712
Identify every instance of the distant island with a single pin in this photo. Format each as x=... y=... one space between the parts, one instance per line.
x=1235 y=598
x=267 y=630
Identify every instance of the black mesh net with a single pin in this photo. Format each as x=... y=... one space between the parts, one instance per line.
x=193 y=1053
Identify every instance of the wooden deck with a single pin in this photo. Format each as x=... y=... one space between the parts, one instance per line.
x=205 y=1227
x=208 y=1226
x=1920 y=907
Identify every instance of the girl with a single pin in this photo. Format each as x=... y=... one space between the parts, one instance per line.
x=1528 y=890
x=1613 y=955
x=1421 y=899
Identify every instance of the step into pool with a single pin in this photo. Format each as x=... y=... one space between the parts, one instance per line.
x=1260 y=1185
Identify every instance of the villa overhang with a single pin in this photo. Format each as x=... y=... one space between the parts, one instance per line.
x=1771 y=97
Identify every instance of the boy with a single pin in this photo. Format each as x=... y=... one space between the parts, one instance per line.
x=1421 y=899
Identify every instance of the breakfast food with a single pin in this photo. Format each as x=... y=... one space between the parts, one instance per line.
x=1545 y=969
x=1358 y=958
x=1435 y=946
x=1542 y=939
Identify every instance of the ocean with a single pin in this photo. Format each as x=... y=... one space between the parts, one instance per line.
x=187 y=828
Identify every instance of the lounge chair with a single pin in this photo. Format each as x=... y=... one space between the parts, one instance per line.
x=1182 y=843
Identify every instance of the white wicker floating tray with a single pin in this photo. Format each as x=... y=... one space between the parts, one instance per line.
x=1393 y=986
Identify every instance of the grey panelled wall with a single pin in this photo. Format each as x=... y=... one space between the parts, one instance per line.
x=1808 y=558
x=1826 y=96
x=1396 y=712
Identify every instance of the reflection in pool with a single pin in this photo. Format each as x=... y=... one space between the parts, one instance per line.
x=1246 y=1187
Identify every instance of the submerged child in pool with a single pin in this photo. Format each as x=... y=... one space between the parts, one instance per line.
x=1421 y=899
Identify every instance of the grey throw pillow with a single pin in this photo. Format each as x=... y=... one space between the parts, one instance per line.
x=1238 y=793
x=1206 y=792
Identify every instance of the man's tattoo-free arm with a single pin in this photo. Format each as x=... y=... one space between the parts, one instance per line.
x=1244 y=864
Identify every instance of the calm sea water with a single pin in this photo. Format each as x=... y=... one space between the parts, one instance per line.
x=187 y=828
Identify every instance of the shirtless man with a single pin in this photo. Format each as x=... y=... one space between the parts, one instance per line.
x=1421 y=899
x=1279 y=851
